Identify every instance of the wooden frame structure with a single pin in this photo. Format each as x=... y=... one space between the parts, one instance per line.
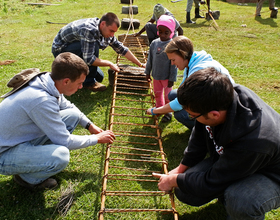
x=137 y=151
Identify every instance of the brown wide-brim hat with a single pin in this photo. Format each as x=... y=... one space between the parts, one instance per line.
x=21 y=79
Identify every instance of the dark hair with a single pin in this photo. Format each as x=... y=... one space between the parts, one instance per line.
x=68 y=65
x=110 y=18
x=180 y=45
x=206 y=90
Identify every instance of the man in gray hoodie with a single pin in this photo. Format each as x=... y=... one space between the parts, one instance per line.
x=36 y=123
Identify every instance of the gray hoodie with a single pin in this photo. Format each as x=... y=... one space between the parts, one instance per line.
x=33 y=112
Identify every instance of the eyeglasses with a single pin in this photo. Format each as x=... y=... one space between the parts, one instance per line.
x=193 y=118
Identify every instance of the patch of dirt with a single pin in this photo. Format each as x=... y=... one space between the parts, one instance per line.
x=7 y=62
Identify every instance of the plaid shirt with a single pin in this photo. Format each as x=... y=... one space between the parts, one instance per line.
x=87 y=32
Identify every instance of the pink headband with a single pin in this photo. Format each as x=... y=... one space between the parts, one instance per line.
x=167 y=21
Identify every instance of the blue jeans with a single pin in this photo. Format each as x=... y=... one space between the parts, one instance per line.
x=182 y=116
x=39 y=159
x=95 y=73
x=249 y=198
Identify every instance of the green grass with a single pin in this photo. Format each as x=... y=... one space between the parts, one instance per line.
x=250 y=53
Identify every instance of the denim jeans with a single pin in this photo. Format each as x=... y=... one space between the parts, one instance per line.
x=95 y=73
x=246 y=199
x=39 y=159
x=182 y=116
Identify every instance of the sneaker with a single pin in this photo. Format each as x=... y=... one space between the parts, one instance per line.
x=49 y=183
x=274 y=9
x=166 y=118
x=96 y=87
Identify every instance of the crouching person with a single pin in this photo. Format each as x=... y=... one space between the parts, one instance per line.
x=36 y=123
x=241 y=135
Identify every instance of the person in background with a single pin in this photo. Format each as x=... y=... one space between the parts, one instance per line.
x=189 y=8
x=233 y=153
x=181 y=53
x=37 y=122
x=272 y=7
x=151 y=28
x=84 y=38
x=164 y=74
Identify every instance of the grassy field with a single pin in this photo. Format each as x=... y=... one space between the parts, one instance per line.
x=247 y=46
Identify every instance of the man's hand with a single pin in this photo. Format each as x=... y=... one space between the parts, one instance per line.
x=143 y=65
x=93 y=129
x=149 y=111
x=166 y=181
x=114 y=67
x=105 y=137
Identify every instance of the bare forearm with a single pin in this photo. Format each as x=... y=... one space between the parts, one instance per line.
x=180 y=31
x=143 y=29
x=161 y=110
x=99 y=62
x=132 y=58
x=93 y=129
x=180 y=169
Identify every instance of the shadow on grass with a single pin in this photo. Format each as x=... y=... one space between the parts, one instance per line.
x=205 y=23
x=213 y=211
x=19 y=203
x=175 y=150
x=266 y=21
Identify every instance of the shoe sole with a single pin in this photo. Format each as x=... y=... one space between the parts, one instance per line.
x=29 y=186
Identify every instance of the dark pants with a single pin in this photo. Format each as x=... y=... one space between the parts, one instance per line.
x=95 y=73
x=246 y=199
x=182 y=116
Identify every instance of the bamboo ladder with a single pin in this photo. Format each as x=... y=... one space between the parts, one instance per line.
x=137 y=151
